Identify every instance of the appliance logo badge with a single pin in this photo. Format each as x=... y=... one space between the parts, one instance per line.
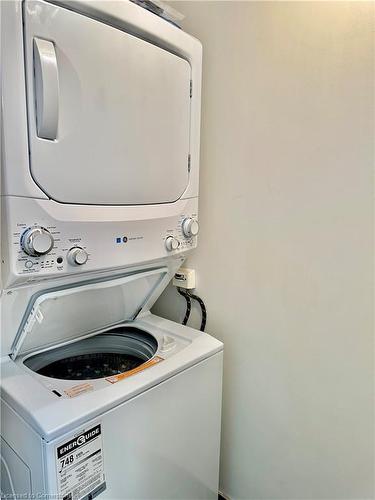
x=121 y=239
x=81 y=440
x=78 y=441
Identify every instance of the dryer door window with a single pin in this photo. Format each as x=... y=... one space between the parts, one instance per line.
x=109 y=113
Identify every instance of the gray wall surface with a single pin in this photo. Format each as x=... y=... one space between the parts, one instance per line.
x=285 y=255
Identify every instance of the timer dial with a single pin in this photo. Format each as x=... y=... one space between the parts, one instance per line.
x=37 y=241
x=171 y=243
x=190 y=227
x=77 y=256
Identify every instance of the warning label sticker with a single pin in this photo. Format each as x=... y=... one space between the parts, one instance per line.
x=116 y=378
x=80 y=466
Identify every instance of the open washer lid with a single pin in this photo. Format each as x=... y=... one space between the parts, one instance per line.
x=63 y=314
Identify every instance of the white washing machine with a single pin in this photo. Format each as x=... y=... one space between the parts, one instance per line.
x=99 y=396
x=99 y=207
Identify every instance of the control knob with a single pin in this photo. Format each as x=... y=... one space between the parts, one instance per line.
x=190 y=227
x=37 y=241
x=171 y=243
x=77 y=256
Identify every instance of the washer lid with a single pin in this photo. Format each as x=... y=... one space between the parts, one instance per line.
x=59 y=315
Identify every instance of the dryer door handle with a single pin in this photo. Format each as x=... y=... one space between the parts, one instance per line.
x=46 y=81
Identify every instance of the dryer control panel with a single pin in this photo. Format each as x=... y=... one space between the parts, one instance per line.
x=42 y=246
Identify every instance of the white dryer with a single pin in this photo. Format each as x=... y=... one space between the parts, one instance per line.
x=99 y=206
x=100 y=151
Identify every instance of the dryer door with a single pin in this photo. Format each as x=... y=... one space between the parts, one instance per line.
x=109 y=113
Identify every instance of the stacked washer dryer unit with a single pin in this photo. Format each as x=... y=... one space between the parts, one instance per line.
x=100 y=147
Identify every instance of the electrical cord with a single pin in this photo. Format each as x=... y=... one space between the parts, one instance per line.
x=188 y=305
x=203 y=309
x=188 y=296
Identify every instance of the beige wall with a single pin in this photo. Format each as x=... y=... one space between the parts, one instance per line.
x=285 y=257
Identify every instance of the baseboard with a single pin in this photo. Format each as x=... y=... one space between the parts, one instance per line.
x=222 y=496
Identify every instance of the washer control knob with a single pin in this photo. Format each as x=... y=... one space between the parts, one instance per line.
x=77 y=256
x=171 y=243
x=190 y=227
x=37 y=241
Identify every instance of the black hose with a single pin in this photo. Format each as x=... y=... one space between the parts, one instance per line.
x=188 y=305
x=203 y=309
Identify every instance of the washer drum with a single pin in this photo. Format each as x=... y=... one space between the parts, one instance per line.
x=110 y=353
